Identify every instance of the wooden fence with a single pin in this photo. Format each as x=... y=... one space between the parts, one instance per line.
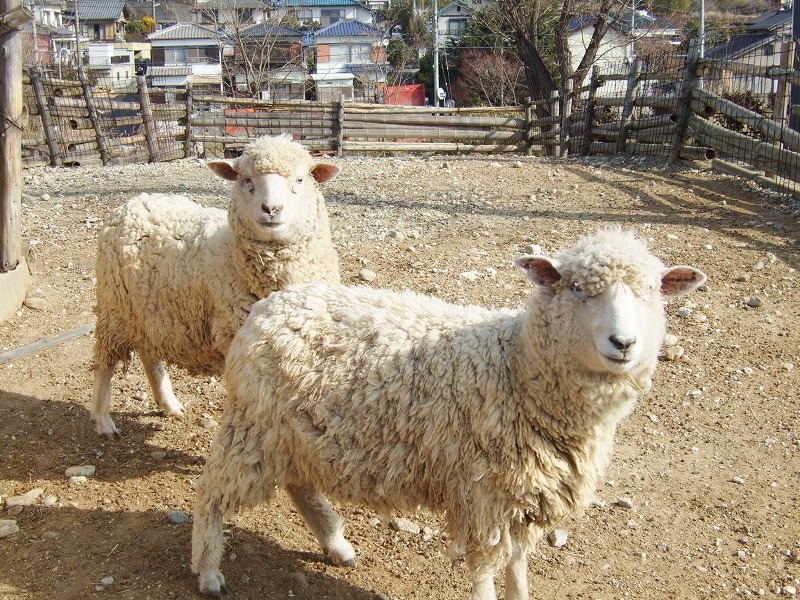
x=678 y=111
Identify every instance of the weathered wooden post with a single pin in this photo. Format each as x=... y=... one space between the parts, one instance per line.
x=553 y=146
x=340 y=126
x=188 y=143
x=594 y=83
x=93 y=116
x=147 y=119
x=782 y=93
x=14 y=276
x=566 y=116
x=47 y=120
x=528 y=126
x=685 y=100
x=627 y=107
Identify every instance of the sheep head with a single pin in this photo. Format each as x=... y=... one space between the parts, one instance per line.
x=275 y=190
x=605 y=296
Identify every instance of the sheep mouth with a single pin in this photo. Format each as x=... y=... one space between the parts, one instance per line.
x=269 y=223
x=620 y=362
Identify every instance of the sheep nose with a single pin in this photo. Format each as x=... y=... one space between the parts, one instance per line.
x=272 y=211
x=621 y=343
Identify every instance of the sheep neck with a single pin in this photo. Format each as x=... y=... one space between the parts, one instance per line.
x=266 y=266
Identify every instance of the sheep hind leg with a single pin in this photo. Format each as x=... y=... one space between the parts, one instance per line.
x=208 y=542
x=161 y=386
x=324 y=522
x=101 y=401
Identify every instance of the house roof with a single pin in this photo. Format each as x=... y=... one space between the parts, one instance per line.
x=773 y=20
x=169 y=71
x=469 y=6
x=621 y=21
x=763 y=30
x=266 y=30
x=98 y=10
x=202 y=5
x=166 y=12
x=307 y=3
x=348 y=28
x=184 y=31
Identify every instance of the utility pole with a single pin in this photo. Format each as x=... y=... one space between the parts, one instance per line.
x=436 y=53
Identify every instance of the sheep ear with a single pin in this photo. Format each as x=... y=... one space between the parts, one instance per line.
x=224 y=169
x=323 y=172
x=539 y=269
x=678 y=281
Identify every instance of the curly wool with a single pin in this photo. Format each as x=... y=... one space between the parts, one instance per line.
x=278 y=154
x=176 y=279
x=400 y=401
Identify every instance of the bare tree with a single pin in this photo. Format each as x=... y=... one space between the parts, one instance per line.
x=260 y=57
x=488 y=78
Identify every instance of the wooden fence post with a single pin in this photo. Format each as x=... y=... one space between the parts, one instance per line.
x=528 y=126
x=782 y=93
x=93 y=116
x=591 y=105
x=340 y=126
x=685 y=100
x=554 y=149
x=627 y=108
x=147 y=119
x=188 y=143
x=47 y=120
x=566 y=116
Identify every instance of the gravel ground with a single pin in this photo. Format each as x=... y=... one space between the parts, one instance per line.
x=700 y=500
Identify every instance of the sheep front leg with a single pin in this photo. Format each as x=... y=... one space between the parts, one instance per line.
x=517 y=573
x=324 y=522
x=483 y=586
x=161 y=386
x=101 y=402
x=207 y=542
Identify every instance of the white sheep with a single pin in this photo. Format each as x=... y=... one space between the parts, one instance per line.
x=502 y=419
x=175 y=280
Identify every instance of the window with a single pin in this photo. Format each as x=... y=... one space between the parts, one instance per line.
x=174 y=56
x=329 y=15
x=360 y=53
x=340 y=53
x=769 y=50
x=456 y=27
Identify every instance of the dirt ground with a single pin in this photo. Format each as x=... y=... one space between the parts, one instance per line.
x=701 y=499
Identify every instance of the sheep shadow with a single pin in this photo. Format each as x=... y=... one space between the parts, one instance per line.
x=149 y=557
x=42 y=438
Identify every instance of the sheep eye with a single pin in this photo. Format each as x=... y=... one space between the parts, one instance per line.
x=299 y=180
x=579 y=293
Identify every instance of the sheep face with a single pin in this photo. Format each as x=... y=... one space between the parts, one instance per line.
x=610 y=303
x=275 y=191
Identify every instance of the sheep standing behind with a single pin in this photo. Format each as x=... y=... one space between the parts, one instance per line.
x=503 y=419
x=175 y=280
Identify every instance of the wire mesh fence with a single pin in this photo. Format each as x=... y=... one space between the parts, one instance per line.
x=733 y=108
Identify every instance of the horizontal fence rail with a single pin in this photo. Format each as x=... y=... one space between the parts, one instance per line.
x=733 y=113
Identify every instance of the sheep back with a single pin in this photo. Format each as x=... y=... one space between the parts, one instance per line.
x=164 y=282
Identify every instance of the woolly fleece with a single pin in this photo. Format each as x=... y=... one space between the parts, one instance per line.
x=399 y=401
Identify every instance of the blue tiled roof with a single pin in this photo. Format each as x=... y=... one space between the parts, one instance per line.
x=184 y=31
x=348 y=28
x=263 y=30
x=99 y=10
x=306 y=3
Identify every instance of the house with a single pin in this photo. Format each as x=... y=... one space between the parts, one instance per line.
x=627 y=30
x=323 y=12
x=46 y=39
x=98 y=20
x=187 y=53
x=268 y=62
x=350 y=60
x=165 y=14
x=229 y=14
x=762 y=44
x=452 y=19
x=112 y=65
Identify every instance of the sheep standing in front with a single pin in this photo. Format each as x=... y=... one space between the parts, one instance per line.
x=175 y=280
x=503 y=419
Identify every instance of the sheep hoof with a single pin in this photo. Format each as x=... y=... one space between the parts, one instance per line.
x=213 y=585
x=342 y=556
x=175 y=410
x=107 y=429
